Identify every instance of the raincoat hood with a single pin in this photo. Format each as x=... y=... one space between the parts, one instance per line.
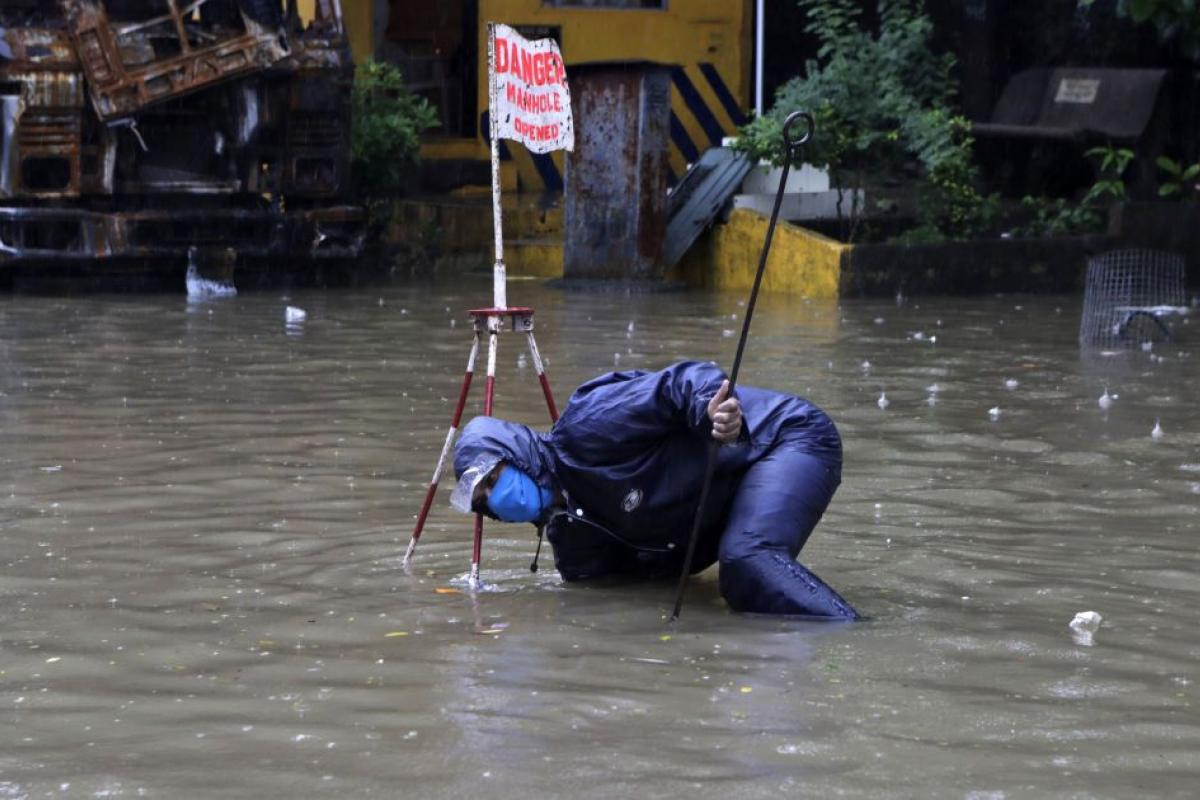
x=487 y=439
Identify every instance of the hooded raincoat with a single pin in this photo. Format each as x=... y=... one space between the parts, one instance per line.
x=629 y=453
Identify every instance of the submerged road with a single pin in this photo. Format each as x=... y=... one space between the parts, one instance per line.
x=203 y=510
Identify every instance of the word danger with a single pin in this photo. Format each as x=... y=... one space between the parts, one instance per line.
x=535 y=69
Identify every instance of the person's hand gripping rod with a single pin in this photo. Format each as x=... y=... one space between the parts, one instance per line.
x=793 y=139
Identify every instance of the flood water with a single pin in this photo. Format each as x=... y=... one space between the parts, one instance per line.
x=203 y=513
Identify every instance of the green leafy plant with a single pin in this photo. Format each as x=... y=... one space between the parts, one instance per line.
x=1056 y=216
x=1109 y=187
x=388 y=123
x=1059 y=216
x=883 y=103
x=1182 y=181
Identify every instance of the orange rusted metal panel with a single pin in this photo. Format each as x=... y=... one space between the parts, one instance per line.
x=122 y=63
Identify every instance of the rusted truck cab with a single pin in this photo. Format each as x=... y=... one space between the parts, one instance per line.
x=146 y=130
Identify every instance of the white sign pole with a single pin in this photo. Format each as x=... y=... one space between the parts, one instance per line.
x=499 y=276
x=760 y=26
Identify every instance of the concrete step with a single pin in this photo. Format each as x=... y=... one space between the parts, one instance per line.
x=463 y=222
x=538 y=257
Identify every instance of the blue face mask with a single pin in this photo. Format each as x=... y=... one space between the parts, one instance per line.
x=516 y=497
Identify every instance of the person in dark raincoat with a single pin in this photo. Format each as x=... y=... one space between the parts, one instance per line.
x=616 y=481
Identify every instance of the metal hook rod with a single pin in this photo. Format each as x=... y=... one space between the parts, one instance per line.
x=791 y=144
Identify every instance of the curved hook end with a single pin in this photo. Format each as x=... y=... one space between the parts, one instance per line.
x=792 y=137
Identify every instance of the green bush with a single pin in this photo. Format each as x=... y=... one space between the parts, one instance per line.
x=884 y=108
x=1059 y=216
x=388 y=123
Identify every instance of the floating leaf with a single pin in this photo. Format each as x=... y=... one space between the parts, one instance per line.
x=394 y=634
x=447 y=590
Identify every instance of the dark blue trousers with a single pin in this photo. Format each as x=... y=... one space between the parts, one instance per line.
x=776 y=506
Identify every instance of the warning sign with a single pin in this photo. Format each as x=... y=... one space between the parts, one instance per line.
x=531 y=103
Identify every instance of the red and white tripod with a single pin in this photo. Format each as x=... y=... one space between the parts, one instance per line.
x=489 y=320
x=512 y=122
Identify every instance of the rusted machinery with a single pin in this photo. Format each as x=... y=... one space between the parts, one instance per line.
x=140 y=129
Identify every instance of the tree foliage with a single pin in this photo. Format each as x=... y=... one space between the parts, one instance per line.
x=884 y=104
x=1175 y=21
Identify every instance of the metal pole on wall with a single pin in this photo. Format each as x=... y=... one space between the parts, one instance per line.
x=499 y=279
x=759 y=27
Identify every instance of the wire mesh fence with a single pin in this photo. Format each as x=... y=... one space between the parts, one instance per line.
x=1130 y=298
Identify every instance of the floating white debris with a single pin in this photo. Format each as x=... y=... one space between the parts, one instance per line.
x=1105 y=400
x=727 y=333
x=1157 y=433
x=1084 y=626
x=865 y=366
x=1011 y=383
x=879 y=320
x=201 y=288
x=994 y=413
x=616 y=358
x=933 y=388
x=1147 y=347
x=521 y=361
x=294 y=316
x=883 y=402
x=931 y=400
x=917 y=336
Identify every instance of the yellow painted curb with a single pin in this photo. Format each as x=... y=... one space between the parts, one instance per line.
x=802 y=262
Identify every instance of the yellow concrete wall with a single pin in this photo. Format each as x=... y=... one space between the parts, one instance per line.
x=801 y=262
x=688 y=33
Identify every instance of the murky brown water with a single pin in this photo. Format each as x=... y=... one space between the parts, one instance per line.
x=202 y=515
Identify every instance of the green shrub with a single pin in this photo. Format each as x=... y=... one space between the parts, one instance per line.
x=1059 y=216
x=884 y=109
x=388 y=123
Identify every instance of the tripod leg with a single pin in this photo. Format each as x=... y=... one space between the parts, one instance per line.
x=441 y=463
x=541 y=373
x=489 y=394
